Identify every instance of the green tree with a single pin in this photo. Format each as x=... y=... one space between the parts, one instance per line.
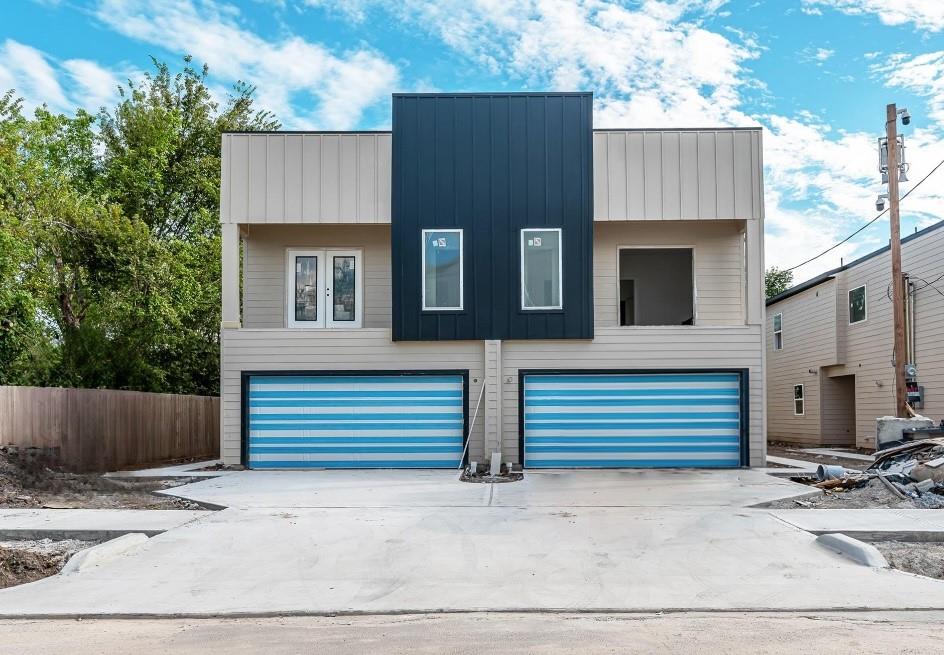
x=162 y=148
x=109 y=237
x=777 y=280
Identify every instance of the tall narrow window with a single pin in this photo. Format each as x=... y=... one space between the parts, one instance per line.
x=798 y=409
x=778 y=331
x=345 y=298
x=442 y=270
x=857 y=307
x=306 y=288
x=541 y=284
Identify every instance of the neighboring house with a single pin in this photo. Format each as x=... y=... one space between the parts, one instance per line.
x=830 y=342
x=493 y=267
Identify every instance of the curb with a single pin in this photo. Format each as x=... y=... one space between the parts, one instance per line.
x=857 y=551
x=95 y=555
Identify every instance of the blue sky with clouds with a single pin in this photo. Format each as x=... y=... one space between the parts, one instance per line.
x=816 y=74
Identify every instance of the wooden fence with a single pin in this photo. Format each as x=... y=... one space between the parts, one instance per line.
x=106 y=430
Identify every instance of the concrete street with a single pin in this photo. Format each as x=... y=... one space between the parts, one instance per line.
x=864 y=633
x=327 y=542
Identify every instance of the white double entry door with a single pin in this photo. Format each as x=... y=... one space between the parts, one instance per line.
x=325 y=288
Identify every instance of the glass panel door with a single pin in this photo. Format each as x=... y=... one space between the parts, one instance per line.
x=343 y=294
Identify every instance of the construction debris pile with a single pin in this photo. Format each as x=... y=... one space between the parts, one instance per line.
x=909 y=475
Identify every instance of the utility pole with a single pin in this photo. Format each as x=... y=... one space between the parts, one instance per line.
x=898 y=305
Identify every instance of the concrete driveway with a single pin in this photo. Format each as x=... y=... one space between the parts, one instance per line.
x=399 y=541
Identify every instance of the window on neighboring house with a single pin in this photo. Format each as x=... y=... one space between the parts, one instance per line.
x=778 y=331
x=656 y=286
x=541 y=263
x=442 y=270
x=323 y=288
x=857 y=307
x=798 y=409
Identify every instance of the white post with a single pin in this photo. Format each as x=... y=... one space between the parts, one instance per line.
x=230 y=275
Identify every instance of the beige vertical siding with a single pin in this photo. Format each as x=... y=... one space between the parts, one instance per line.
x=809 y=342
x=677 y=174
x=618 y=348
x=345 y=177
x=306 y=178
x=264 y=266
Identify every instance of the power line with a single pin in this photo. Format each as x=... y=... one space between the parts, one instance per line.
x=880 y=214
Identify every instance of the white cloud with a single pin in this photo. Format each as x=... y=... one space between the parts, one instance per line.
x=95 y=86
x=656 y=65
x=29 y=72
x=922 y=75
x=289 y=71
x=925 y=14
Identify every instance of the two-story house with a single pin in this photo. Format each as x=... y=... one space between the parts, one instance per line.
x=830 y=343
x=493 y=274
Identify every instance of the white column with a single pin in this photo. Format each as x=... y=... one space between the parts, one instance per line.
x=230 y=275
x=493 y=399
x=754 y=244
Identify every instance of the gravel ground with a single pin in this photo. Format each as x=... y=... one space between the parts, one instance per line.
x=31 y=560
x=30 y=483
x=922 y=558
x=873 y=495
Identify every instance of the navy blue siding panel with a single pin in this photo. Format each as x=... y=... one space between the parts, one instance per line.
x=492 y=164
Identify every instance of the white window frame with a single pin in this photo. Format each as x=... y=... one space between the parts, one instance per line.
x=461 y=234
x=865 y=298
x=620 y=249
x=776 y=332
x=801 y=400
x=560 y=268
x=324 y=291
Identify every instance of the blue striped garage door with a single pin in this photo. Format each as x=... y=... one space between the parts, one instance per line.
x=638 y=420
x=351 y=421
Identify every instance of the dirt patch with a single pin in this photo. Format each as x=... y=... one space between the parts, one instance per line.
x=504 y=476
x=794 y=452
x=921 y=558
x=28 y=561
x=29 y=482
x=872 y=494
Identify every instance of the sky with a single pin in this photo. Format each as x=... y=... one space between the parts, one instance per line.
x=815 y=74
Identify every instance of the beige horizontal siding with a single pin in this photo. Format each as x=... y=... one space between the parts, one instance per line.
x=719 y=267
x=264 y=268
x=334 y=350
x=869 y=344
x=644 y=348
x=345 y=178
x=865 y=349
x=668 y=348
x=809 y=342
